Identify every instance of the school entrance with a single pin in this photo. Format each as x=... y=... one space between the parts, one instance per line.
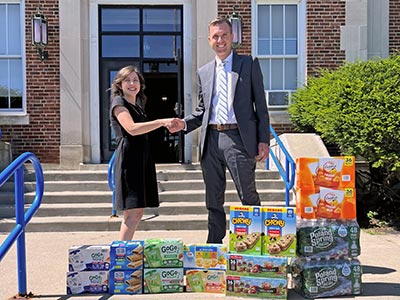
x=150 y=38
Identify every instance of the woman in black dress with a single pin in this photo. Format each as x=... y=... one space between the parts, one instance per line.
x=134 y=169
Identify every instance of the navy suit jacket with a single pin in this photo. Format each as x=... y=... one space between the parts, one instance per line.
x=249 y=103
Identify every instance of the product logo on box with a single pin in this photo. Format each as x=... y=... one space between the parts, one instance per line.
x=241 y=219
x=169 y=274
x=274 y=221
x=95 y=279
x=326 y=278
x=170 y=249
x=321 y=238
x=97 y=256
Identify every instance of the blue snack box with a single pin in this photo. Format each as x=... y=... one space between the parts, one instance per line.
x=126 y=281
x=127 y=254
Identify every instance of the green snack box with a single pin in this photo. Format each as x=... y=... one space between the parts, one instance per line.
x=163 y=280
x=163 y=253
x=205 y=281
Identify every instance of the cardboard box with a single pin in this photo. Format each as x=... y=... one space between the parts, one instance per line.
x=256 y=265
x=89 y=258
x=204 y=256
x=126 y=281
x=163 y=253
x=163 y=280
x=253 y=287
x=245 y=227
x=205 y=281
x=279 y=231
x=127 y=254
x=87 y=282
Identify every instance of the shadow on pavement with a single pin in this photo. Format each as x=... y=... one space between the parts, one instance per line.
x=376 y=270
x=380 y=289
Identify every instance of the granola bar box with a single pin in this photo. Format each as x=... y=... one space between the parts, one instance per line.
x=279 y=231
x=205 y=281
x=254 y=287
x=163 y=253
x=204 y=256
x=245 y=229
x=89 y=258
x=163 y=280
x=87 y=282
x=256 y=265
x=127 y=254
x=126 y=281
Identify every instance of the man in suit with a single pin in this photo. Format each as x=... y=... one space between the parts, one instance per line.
x=237 y=139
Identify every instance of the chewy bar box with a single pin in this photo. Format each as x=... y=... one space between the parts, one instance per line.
x=163 y=253
x=245 y=227
x=126 y=281
x=204 y=256
x=87 y=282
x=279 y=231
x=256 y=265
x=331 y=172
x=127 y=254
x=253 y=287
x=89 y=258
x=205 y=281
x=163 y=280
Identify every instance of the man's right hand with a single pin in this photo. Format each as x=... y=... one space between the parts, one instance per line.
x=176 y=125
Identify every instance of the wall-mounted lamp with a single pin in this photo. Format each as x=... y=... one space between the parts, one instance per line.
x=236 y=22
x=39 y=34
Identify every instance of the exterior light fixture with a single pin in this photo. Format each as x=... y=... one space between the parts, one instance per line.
x=40 y=34
x=236 y=22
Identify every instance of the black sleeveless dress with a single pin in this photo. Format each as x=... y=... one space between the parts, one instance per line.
x=134 y=168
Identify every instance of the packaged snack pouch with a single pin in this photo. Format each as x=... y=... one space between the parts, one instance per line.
x=205 y=281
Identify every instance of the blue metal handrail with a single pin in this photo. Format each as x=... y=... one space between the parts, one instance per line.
x=111 y=182
x=22 y=219
x=287 y=173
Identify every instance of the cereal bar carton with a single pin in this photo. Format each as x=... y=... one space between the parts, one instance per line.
x=253 y=287
x=205 y=281
x=163 y=253
x=127 y=254
x=204 y=256
x=245 y=227
x=279 y=231
x=126 y=281
x=163 y=280
x=256 y=265
x=89 y=258
x=87 y=282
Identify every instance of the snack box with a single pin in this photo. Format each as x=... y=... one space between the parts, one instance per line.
x=126 y=281
x=279 y=231
x=204 y=256
x=253 y=287
x=331 y=172
x=89 y=258
x=163 y=253
x=127 y=254
x=205 y=281
x=90 y=282
x=245 y=227
x=163 y=280
x=256 y=265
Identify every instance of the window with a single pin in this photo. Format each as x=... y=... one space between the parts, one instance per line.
x=11 y=64
x=277 y=48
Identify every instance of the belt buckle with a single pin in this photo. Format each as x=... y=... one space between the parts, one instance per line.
x=220 y=127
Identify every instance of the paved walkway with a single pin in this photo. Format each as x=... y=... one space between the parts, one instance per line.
x=47 y=265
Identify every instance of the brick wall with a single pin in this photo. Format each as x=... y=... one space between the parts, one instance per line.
x=394 y=26
x=42 y=135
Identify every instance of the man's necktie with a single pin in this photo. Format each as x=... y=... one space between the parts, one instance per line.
x=222 y=106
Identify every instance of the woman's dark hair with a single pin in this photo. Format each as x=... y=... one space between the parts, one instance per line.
x=116 y=87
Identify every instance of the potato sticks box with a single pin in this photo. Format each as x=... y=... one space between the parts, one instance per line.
x=253 y=287
x=204 y=256
x=163 y=253
x=256 y=265
x=126 y=281
x=163 y=280
x=279 y=231
x=127 y=254
x=205 y=281
x=87 y=282
x=245 y=227
x=89 y=258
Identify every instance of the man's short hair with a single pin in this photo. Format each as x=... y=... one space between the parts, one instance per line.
x=219 y=21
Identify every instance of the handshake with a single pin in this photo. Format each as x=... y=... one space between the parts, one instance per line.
x=174 y=124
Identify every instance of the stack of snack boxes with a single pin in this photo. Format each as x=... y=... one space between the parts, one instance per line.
x=260 y=241
x=328 y=236
x=88 y=269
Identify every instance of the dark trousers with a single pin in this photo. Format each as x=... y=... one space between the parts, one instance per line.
x=225 y=149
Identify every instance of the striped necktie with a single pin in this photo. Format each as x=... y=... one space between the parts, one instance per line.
x=222 y=88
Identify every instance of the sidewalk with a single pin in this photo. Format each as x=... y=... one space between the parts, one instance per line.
x=47 y=265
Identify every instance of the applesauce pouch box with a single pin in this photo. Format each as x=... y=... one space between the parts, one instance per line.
x=89 y=258
x=245 y=227
x=127 y=254
x=256 y=265
x=126 y=281
x=204 y=256
x=254 y=287
x=87 y=282
x=205 y=281
x=163 y=280
x=163 y=253
x=279 y=231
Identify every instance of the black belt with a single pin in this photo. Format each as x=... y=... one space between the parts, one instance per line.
x=222 y=127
